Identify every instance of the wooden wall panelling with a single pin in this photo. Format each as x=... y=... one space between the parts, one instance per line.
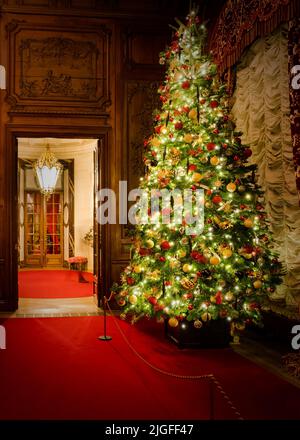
x=104 y=77
x=140 y=76
x=58 y=69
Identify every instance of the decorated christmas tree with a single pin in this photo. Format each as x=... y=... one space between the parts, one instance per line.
x=224 y=268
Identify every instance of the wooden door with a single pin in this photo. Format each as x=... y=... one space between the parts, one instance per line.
x=43 y=229
x=53 y=230
x=34 y=243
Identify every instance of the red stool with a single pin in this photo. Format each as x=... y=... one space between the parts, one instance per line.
x=78 y=263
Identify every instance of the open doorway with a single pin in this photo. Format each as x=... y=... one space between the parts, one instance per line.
x=57 y=257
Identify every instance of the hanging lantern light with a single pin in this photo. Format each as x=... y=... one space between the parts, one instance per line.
x=47 y=169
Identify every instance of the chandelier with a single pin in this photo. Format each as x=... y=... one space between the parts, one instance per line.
x=47 y=170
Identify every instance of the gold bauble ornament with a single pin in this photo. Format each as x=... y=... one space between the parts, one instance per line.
x=257 y=284
x=214 y=260
x=197 y=177
x=186 y=268
x=193 y=114
x=231 y=187
x=132 y=299
x=248 y=223
x=227 y=253
x=188 y=138
x=214 y=160
x=197 y=323
x=206 y=316
x=150 y=244
x=212 y=299
x=155 y=142
x=204 y=159
x=229 y=296
x=137 y=269
x=173 y=322
x=218 y=183
x=178 y=76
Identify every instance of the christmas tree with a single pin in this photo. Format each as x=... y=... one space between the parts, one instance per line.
x=227 y=268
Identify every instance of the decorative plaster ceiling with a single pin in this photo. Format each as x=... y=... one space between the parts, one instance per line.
x=31 y=148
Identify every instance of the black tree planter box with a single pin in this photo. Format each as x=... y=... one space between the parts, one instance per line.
x=213 y=334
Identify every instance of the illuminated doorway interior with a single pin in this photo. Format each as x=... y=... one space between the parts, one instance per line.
x=58 y=229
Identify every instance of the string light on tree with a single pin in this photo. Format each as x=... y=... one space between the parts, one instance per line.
x=227 y=271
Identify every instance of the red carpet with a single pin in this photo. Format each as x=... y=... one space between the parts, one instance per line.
x=55 y=368
x=54 y=284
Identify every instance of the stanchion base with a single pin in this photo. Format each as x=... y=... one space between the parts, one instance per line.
x=105 y=338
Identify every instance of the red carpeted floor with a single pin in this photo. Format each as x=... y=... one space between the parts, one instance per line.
x=54 y=284
x=55 y=368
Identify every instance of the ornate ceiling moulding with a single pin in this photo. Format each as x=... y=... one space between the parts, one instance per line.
x=58 y=70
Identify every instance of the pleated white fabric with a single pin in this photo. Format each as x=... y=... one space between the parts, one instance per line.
x=261 y=111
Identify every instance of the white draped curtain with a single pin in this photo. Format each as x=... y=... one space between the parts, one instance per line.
x=261 y=110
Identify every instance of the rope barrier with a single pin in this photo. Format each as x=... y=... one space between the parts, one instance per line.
x=210 y=377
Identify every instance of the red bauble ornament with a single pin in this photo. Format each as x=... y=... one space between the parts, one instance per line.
x=214 y=104
x=225 y=146
x=247 y=152
x=186 y=85
x=190 y=306
x=192 y=152
x=152 y=300
x=130 y=281
x=178 y=125
x=211 y=146
x=192 y=167
x=162 y=259
x=216 y=131
x=236 y=158
x=193 y=187
x=157 y=117
x=158 y=129
x=195 y=254
x=185 y=109
x=165 y=245
x=209 y=192
x=168 y=283
x=217 y=199
x=168 y=54
x=153 y=153
x=144 y=251
x=202 y=101
x=225 y=117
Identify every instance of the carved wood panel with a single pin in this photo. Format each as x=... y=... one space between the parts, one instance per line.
x=58 y=70
x=141 y=101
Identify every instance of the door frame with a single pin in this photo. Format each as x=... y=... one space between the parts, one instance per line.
x=15 y=131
